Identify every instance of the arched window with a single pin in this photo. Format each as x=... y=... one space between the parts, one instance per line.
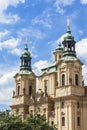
x=18 y=90
x=63 y=80
x=30 y=90
x=76 y=80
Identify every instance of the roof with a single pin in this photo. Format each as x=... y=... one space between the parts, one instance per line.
x=25 y=53
x=24 y=72
x=50 y=66
x=69 y=58
x=50 y=69
x=68 y=37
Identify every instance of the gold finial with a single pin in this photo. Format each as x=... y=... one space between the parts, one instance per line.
x=68 y=25
x=26 y=43
x=68 y=22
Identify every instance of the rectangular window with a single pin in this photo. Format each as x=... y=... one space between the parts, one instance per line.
x=78 y=105
x=78 y=121
x=45 y=86
x=62 y=104
x=63 y=121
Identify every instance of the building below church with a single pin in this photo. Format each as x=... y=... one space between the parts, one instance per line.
x=61 y=95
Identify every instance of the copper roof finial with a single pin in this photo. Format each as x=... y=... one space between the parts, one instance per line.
x=26 y=43
x=68 y=26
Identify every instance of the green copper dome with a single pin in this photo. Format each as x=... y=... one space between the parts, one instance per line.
x=68 y=37
x=25 y=53
x=25 y=60
x=69 y=44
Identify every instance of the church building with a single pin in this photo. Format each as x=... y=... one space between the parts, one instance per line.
x=61 y=94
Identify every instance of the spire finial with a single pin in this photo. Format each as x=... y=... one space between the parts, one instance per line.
x=68 y=26
x=26 y=43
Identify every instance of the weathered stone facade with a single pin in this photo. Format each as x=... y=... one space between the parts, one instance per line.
x=61 y=95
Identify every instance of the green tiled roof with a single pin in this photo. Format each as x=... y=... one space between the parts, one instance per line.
x=51 y=65
x=25 y=72
x=25 y=53
x=69 y=58
x=68 y=37
x=50 y=68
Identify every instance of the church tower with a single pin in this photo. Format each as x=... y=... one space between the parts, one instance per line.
x=63 y=82
x=61 y=97
x=69 y=92
x=25 y=85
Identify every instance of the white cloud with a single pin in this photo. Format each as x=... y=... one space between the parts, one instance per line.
x=64 y=2
x=84 y=71
x=32 y=32
x=8 y=18
x=6 y=87
x=83 y=1
x=4 y=4
x=60 y=39
x=81 y=32
x=44 y=19
x=15 y=51
x=45 y=22
x=9 y=44
x=81 y=48
x=40 y=65
x=59 y=4
x=4 y=33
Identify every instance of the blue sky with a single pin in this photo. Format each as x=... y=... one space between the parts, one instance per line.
x=43 y=22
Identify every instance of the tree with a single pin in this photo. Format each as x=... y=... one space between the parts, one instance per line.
x=38 y=122
x=9 y=122
x=33 y=122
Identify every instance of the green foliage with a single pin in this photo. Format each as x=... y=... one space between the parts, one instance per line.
x=36 y=122
x=9 y=122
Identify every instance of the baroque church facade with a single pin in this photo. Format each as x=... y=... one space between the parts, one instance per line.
x=61 y=94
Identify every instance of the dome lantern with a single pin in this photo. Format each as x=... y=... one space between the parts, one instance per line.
x=69 y=43
x=26 y=58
